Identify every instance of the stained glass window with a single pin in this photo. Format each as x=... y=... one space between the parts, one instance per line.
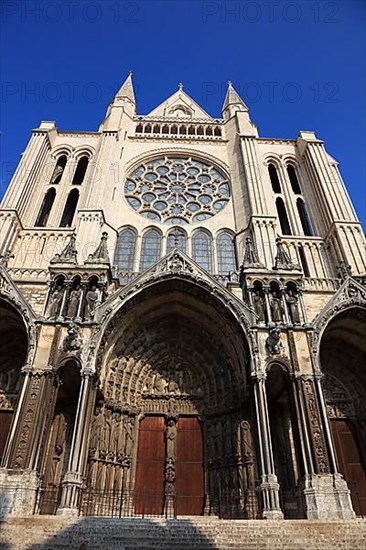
x=150 y=250
x=125 y=250
x=226 y=252
x=169 y=189
x=201 y=250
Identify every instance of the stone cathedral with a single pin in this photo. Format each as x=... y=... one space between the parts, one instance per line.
x=183 y=320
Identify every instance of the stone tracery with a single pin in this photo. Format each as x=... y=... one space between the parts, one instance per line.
x=177 y=190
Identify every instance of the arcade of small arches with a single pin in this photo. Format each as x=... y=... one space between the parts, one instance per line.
x=178 y=129
x=175 y=398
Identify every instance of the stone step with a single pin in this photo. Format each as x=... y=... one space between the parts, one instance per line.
x=208 y=533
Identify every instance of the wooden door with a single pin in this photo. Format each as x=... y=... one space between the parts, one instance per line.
x=5 y=422
x=350 y=463
x=149 y=484
x=189 y=467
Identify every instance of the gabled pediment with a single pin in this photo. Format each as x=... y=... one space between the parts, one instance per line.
x=349 y=293
x=176 y=264
x=179 y=105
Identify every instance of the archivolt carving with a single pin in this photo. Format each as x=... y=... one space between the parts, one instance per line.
x=10 y=293
x=176 y=269
x=350 y=295
x=339 y=402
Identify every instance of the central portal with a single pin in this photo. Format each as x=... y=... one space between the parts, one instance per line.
x=172 y=429
x=169 y=466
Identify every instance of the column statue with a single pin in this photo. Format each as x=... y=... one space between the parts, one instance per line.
x=259 y=307
x=293 y=306
x=56 y=302
x=73 y=305
x=276 y=307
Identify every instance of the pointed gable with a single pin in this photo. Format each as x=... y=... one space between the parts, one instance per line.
x=175 y=264
x=180 y=105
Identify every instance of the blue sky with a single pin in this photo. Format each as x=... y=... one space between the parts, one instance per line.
x=299 y=65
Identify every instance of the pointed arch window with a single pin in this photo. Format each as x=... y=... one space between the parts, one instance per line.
x=304 y=218
x=151 y=249
x=70 y=208
x=282 y=215
x=125 y=250
x=45 y=210
x=177 y=238
x=293 y=179
x=273 y=176
x=226 y=257
x=58 y=170
x=80 y=171
x=201 y=250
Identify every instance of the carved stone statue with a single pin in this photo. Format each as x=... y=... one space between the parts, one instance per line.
x=273 y=342
x=171 y=437
x=98 y=422
x=130 y=434
x=74 y=300
x=115 y=428
x=169 y=471
x=105 y=432
x=173 y=387
x=92 y=298
x=293 y=306
x=72 y=340
x=276 y=307
x=56 y=302
x=258 y=302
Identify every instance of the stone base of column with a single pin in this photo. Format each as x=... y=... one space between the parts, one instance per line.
x=18 y=492
x=270 y=494
x=327 y=497
x=71 y=486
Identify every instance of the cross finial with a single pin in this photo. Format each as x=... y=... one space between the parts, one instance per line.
x=180 y=86
x=229 y=83
x=130 y=73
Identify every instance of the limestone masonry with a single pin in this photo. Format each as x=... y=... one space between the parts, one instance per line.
x=183 y=320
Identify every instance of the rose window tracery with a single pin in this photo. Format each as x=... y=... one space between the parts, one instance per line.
x=177 y=190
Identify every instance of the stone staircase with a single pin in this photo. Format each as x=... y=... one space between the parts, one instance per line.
x=188 y=533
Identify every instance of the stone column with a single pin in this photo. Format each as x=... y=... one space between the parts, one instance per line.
x=19 y=477
x=306 y=449
x=269 y=485
x=268 y=308
x=73 y=479
x=27 y=436
x=326 y=493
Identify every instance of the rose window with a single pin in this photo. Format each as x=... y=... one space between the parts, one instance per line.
x=177 y=190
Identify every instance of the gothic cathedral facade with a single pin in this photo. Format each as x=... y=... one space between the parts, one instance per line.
x=183 y=312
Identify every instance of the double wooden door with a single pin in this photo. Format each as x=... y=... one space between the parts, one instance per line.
x=150 y=467
x=350 y=462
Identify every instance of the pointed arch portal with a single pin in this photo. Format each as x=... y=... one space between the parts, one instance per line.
x=343 y=359
x=172 y=422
